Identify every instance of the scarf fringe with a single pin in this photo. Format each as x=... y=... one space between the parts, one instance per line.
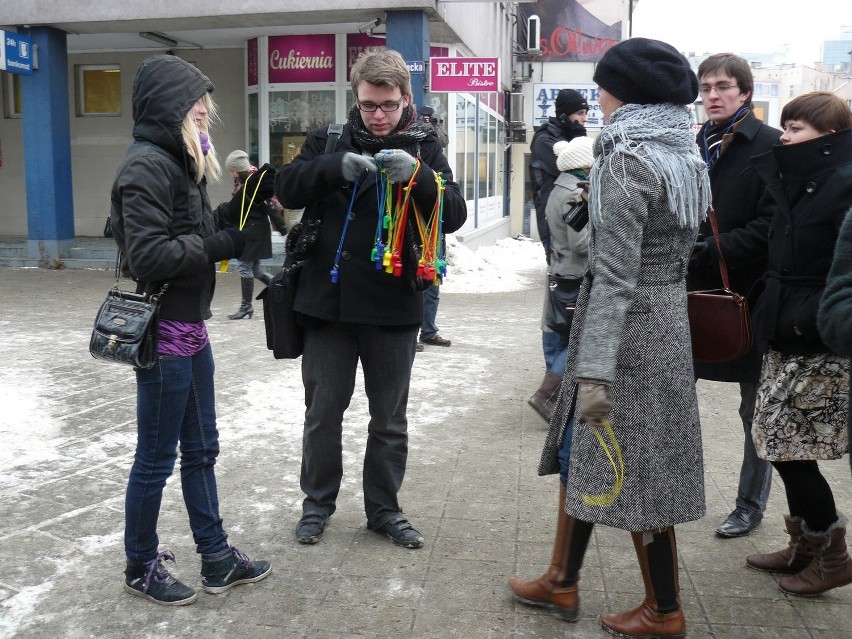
x=660 y=137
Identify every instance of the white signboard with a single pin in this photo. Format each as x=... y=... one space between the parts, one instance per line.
x=544 y=102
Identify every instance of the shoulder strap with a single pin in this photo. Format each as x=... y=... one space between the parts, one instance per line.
x=334 y=133
x=723 y=267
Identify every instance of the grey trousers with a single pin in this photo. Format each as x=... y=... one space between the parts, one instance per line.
x=755 y=473
x=329 y=365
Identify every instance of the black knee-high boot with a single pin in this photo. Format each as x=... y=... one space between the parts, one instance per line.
x=245 y=309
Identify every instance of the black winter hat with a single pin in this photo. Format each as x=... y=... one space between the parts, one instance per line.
x=644 y=71
x=569 y=101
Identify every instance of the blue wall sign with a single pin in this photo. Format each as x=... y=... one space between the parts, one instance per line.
x=415 y=67
x=16 y=54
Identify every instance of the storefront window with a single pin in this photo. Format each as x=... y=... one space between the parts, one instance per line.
x=12 y=103
x=98 y=89
x=291 y=115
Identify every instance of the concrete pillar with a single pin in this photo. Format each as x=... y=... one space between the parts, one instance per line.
x=47 y=149
x=408 y=32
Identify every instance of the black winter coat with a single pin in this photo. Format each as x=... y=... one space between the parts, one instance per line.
x=363 y=294
x=543 y=170
x=743 y=226
x=159 y=213
x=810 y=184
x=251 y=197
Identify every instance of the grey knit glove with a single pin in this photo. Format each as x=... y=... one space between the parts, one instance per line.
x=352 y=165
x=398 y=164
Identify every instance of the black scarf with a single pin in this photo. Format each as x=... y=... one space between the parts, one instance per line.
x=407 y=135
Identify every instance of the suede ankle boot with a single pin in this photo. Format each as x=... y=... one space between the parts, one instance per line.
x=831 y=566
x=791 y=559
x=544 y=399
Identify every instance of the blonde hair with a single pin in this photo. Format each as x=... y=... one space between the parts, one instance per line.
x=208 y=165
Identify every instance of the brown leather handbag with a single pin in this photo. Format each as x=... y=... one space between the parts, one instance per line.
x=719 y=320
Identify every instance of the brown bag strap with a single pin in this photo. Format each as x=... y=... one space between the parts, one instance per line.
x=723 y=268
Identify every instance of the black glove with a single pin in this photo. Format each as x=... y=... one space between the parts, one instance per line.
x=700 y=256
x=225 y=244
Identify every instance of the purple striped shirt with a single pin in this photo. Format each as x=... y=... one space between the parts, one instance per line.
x=183 y=339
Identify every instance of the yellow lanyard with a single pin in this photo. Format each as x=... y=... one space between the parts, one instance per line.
x=244 y=212
x=617 y=466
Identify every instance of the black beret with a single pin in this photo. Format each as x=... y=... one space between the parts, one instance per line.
x=569 y=101
x=644 y=71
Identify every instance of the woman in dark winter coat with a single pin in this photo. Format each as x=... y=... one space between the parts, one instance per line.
x=250 y=211
x=835 y=310
x=802 y=401
x=164 y=226
x=629 y=379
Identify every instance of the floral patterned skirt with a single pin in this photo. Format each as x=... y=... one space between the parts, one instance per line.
x=802 y=403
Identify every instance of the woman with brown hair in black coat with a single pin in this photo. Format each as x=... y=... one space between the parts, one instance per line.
x=802 y=400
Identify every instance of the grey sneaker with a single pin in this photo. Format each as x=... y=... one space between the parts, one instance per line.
x=151 y=580
x=231 y=567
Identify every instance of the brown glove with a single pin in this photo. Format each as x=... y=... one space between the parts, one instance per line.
x=593 y=400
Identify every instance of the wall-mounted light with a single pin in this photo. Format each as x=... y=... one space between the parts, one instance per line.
x=159 y=37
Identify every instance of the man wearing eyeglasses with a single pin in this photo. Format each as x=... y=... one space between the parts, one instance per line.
x=353 y=310
x=731 y=136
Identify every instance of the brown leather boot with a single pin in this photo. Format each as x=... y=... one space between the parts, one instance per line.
x=660 y=575
x=544 y=399
x=831 y=566
x=791 y=559
x=556 y=589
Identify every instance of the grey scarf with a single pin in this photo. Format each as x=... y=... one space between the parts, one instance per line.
x=661 y=138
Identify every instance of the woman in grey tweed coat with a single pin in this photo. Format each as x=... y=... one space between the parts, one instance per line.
x=630 y=359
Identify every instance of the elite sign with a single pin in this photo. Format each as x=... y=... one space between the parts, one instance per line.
x=16 y=54
x=464 y=74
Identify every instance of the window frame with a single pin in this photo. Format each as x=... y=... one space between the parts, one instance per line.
x=80 y=89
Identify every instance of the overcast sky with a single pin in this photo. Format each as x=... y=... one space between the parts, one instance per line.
x=744 y=26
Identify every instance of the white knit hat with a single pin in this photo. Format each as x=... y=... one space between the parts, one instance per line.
x=576 y=154
x=238 y=161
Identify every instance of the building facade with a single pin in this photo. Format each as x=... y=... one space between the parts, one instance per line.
x=280 y=69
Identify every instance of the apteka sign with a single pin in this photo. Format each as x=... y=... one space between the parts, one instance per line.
x=16 y=54
x=464 y=74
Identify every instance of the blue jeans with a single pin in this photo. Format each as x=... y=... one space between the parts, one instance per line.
x=174 y=406
x=555 y=347
x=329 y=363
x=755 y=473
x=565 y=451
x=430 y=311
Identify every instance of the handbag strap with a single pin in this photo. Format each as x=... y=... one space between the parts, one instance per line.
x=723 y=268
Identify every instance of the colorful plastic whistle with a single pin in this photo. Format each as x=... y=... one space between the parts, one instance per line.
x=335 y=275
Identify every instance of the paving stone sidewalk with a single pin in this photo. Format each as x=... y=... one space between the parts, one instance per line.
x=67 y=429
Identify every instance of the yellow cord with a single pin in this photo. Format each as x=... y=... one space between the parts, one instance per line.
x=617 y=464
x=244 y=211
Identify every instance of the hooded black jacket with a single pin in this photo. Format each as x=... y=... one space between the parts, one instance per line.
x=159 y=212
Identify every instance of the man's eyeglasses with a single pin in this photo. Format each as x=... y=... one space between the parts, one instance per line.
x=720 y=88
x=387 y=107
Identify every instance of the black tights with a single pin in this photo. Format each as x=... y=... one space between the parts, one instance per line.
x=808 y=494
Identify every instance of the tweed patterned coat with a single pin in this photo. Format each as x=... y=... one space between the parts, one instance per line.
x=630 y=329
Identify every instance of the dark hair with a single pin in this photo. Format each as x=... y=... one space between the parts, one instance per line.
x=733 y=65
x=823 y=110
